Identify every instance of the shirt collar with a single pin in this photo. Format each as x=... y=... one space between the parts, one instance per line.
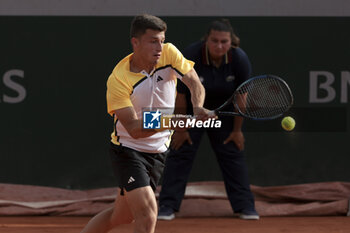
x=206 y=58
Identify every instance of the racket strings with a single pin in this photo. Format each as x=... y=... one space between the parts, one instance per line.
x=263 y=97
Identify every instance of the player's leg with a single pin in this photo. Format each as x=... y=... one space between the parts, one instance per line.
x=138 y=173
x=110 y=218
x=143 y=205
x=178 y=166
x=140 y=190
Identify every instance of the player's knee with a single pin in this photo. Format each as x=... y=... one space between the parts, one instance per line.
x=147 y=219
x=149 y=224
x=150 y=216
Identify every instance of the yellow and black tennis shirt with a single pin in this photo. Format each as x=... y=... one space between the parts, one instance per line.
x=146 y=91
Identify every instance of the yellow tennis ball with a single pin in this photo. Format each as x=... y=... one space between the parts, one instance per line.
x=288 y=123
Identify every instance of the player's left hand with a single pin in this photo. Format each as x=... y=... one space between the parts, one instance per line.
x=236 y=137
x=203 y=114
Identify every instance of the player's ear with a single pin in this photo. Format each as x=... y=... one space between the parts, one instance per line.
x=134 y=42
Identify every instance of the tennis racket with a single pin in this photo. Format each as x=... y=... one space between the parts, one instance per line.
x=262 y=97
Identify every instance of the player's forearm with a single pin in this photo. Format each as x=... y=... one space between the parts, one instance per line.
x=196 y=88
x=136 y=130
x=134 y=126
x=197 y=95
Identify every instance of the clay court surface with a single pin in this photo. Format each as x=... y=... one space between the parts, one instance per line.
x=181 y=225
x=205 y=209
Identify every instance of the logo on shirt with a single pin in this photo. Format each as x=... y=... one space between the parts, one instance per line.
x=159 y=78
x=151 y=119
x=230 y=78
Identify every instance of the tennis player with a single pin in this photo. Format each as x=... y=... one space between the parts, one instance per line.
x=146 y=78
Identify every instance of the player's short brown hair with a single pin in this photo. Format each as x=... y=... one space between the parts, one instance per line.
x=143 y=22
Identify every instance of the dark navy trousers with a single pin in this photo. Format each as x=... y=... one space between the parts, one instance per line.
x=231 y=161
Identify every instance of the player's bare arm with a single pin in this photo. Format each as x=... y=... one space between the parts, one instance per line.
x=191 y=80
x=127 y=116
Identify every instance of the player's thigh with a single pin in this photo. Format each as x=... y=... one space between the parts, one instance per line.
x=121 y=212
x=142 y=202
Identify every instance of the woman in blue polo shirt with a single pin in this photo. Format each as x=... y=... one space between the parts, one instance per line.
x=222 y=66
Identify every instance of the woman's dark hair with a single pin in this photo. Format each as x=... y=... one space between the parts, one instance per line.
x=223 y=25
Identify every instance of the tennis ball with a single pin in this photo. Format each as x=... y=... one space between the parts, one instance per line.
x=288 y=123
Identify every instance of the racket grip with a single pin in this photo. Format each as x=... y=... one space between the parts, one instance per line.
x=212 y=113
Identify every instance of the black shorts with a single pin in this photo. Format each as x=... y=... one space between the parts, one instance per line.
x=134 y=169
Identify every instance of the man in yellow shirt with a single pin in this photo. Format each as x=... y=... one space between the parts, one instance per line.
x=145 y=79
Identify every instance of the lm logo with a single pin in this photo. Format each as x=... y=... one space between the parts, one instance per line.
x=151 y=119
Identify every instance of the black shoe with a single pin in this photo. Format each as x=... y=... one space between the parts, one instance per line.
x=249 y=215
x=166 y=213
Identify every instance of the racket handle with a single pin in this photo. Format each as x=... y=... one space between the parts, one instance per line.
x=212 y=113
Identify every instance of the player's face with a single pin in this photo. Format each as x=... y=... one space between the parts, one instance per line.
x=150 y=45
x=218 y=43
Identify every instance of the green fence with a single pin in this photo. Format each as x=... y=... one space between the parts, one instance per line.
x=54 y=129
